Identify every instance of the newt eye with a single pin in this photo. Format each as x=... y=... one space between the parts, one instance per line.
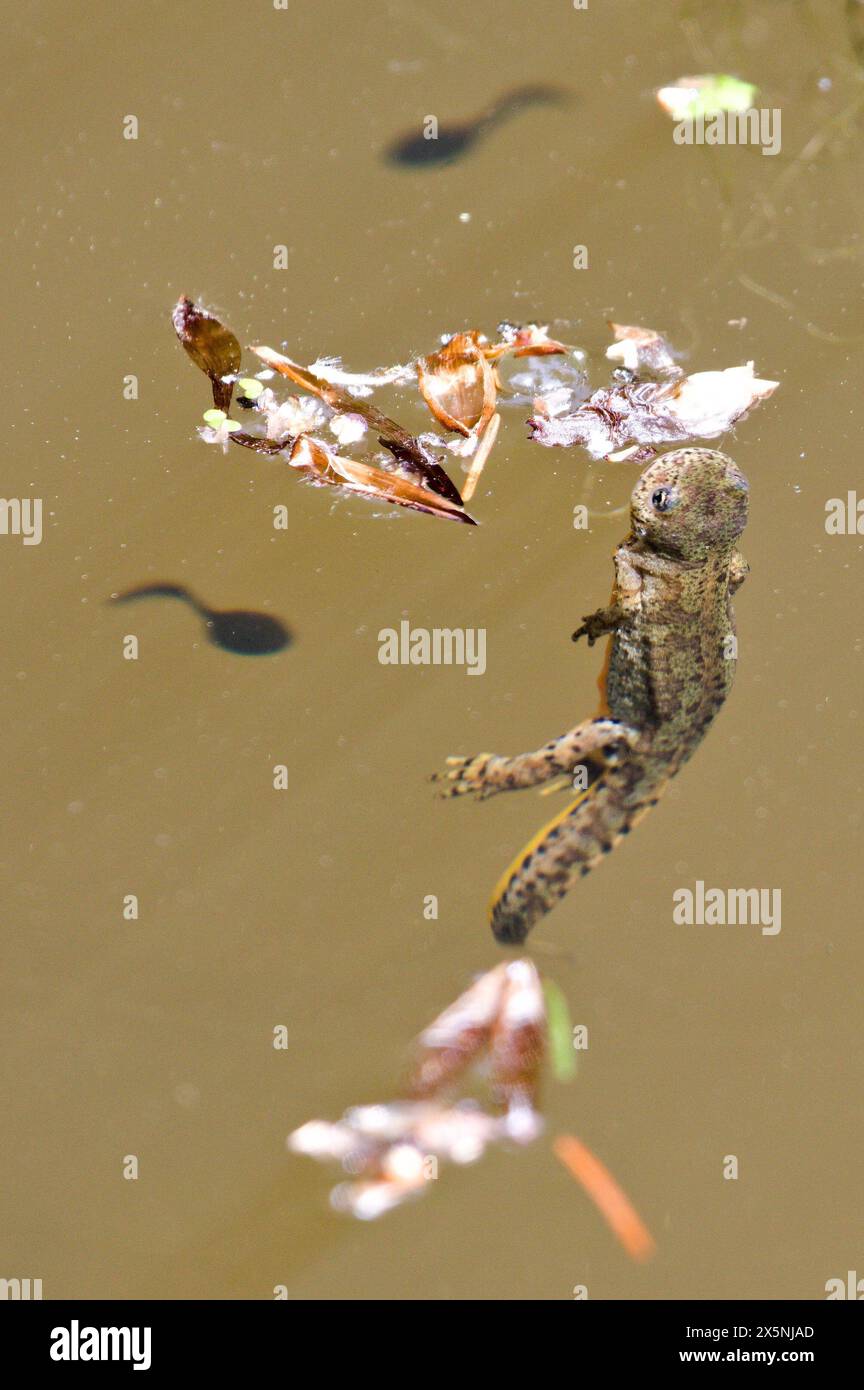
x=663 y=499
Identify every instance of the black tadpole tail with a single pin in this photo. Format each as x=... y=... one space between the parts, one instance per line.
x=236 y=630
x=533 y=94
x=162 y=591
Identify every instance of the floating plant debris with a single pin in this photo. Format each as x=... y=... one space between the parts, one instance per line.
x=562 y=1055
x=211 y=346
x=236 y=630
x=404 y=448
x=639 y=349
x=417 y=480
x=631 y=417
x=324 y=466
x=443 y=144
x=402 y=445
x=481 y=454
x=611 y=1201
x=392 y=1150
x=710 y=94
x=524 y=340
x=502 y=1013
x=458 y=384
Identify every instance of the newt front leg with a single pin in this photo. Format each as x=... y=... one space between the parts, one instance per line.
x=625 y=605
x=602 y=623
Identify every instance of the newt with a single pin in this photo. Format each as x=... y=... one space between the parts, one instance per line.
x=670 y=665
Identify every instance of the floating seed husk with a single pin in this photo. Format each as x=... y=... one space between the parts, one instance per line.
x=458 y=384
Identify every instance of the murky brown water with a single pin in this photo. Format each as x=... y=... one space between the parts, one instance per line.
x=304 y=908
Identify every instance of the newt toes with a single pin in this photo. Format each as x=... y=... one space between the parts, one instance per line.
x=670 y=666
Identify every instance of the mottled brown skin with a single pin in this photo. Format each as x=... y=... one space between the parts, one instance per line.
x=670 y=666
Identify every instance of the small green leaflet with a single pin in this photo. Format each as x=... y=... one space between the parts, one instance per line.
x=561 y=1053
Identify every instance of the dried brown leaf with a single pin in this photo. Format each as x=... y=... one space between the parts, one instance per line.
x=402 y=445
x=258 y=443
x=324 y=465
x=212 y=347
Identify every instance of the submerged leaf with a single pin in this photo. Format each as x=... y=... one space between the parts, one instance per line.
x=612 y=1202
x=518 y=1047
x=458 y=1035
x=560 y=1027
x=211 y=346
x=392 y=1150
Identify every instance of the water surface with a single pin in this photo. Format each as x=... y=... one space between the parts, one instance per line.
x=305 y=907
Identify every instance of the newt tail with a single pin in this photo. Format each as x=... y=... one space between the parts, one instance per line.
x=671 y=663
x=564 y=850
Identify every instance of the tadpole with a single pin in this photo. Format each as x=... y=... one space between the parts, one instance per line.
x=453 y=140
x=237 y=630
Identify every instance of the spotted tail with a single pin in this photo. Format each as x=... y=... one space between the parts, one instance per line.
x=564 y=850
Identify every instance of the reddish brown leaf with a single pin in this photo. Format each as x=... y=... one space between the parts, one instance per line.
x=318 y=461
x=211 y=346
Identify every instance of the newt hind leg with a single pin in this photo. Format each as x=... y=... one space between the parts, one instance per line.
x=597 y=741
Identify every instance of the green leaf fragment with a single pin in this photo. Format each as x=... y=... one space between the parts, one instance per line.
x=250 y=388
x=217 y=419
x=562 y=1056
x=710 y=94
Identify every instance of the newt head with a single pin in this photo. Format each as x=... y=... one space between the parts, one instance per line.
x=690 y=503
